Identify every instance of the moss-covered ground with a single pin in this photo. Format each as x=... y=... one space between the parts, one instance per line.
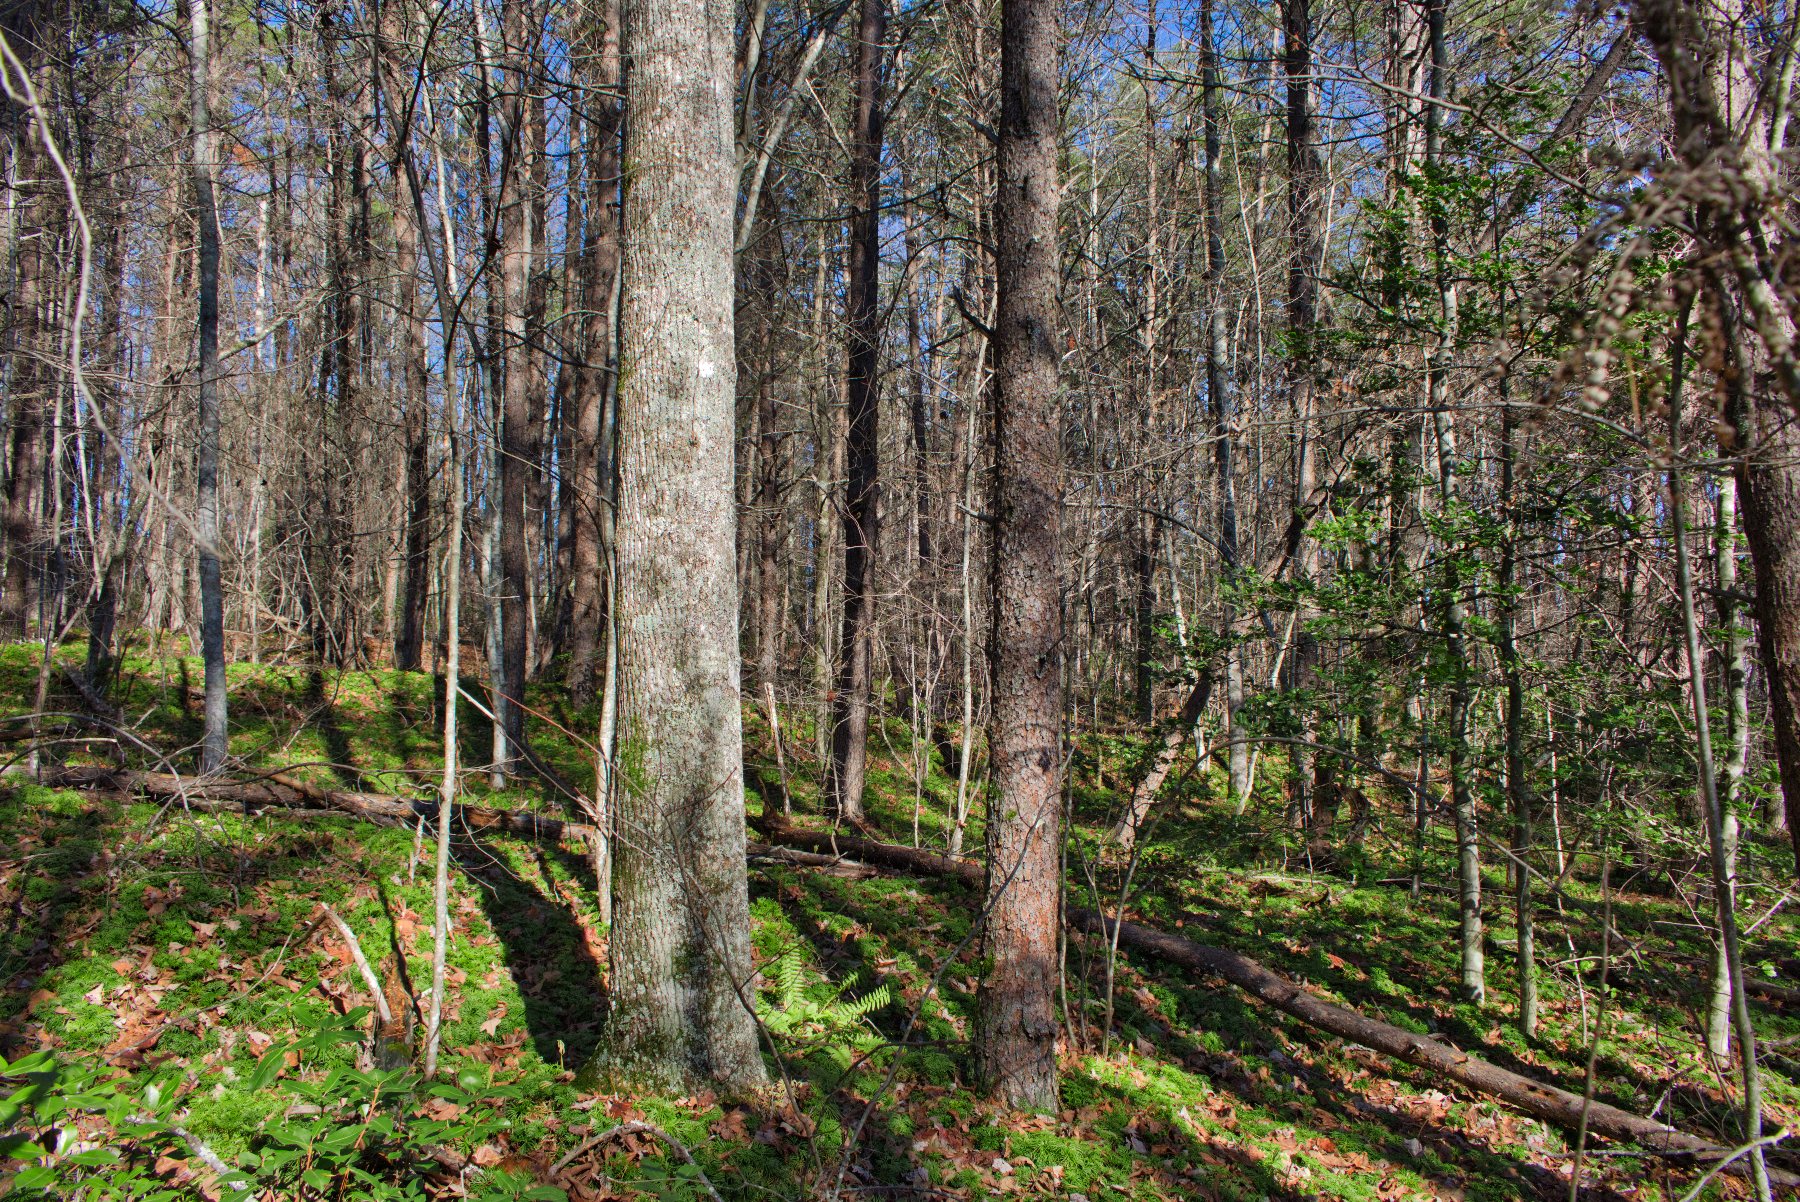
x=182 y=947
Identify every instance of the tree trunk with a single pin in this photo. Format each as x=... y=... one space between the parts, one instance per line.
x=409 y=638
x=1769 y=487
x=1015 y=1028
x=591 y=494
x=214 y=745
x=1312 y=778
x=1442 y=356
x=1518 y=782
x=1735 y=671
x=1218 y=395
x=681 y=968
x=1719 y=116
x=1721 y=837
x=27 y=385
x=856 y=647
x=518 y=239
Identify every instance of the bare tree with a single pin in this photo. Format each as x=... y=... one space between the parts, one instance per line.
x=862 y=503
x=214 y=746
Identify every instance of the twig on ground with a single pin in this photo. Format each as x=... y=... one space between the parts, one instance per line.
x=362 y=963
x=644 y=1129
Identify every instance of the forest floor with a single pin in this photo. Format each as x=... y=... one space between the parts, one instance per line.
x=172 y=966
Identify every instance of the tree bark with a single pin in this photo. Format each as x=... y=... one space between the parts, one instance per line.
x=856 y=647
x=1312 y=779
x=214 y=744
x=1518 y=782
x=1769 y=487
x=28 y=387
x=1015 y=1026
x=518 y=241
x=591 y=495
x=409 y=637
x=681 y=970
x=1453 y=615
x=1219 y=398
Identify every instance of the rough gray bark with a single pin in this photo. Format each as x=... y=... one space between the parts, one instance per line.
x=680 y=941
x=214 y=744
x=1015 y=1027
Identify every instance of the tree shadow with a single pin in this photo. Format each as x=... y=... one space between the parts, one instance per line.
x=325 y=718
x=39 y=905
x=546 y=947
x=1311 y=1101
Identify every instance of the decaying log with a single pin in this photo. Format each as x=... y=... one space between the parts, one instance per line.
x=1546 y=1102
x=828 y=850
x=285 y=792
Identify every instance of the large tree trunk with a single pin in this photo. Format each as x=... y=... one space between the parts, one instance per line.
x=28 y=386
x=1769 y=486
x=591 y=494
x=518 y=239
x=681 y=971
x=1720 y=115
x=415 y=425
x=856 y=648
x=1015 y=1029
x=213 y=740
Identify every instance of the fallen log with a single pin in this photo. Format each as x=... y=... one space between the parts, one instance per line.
x=889 y=855
x=1547 y=1102
x=285 y=792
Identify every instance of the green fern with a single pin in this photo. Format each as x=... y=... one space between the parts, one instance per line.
x=791 y=1012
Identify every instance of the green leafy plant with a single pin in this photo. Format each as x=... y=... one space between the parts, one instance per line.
x=795 y=1011
x=83 y=1136
x=344 y=1132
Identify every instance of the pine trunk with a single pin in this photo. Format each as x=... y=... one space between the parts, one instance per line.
x=1015 y=1038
